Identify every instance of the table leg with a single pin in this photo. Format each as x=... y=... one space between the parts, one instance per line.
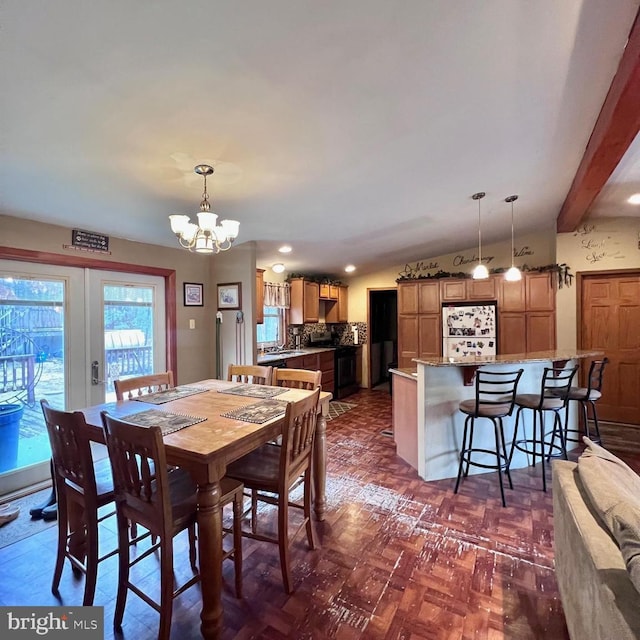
x=320 y=468
x=210 y=559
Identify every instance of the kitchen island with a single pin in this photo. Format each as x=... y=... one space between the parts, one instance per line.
x=442 y=383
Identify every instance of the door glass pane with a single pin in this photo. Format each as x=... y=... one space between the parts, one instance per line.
x=32 y=366
x=128 y=333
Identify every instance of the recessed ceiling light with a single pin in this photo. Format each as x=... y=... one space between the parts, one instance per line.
x=634 y=199
x=278 y=267
x=350 y=268
x=285 y=249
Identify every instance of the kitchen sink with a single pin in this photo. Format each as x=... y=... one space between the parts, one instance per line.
x=286 y=353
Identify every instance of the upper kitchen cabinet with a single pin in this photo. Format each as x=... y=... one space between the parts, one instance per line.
x=419 y=297
x=259 y=296
x=328 y=291
x=453 y=290
x=486 y=289
x=337 y=311
x=540 y=294
x=512 y=297
x=407 y=297
x=305 y=301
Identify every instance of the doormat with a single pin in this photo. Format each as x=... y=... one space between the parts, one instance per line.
x=24 y=525
x=338 y=408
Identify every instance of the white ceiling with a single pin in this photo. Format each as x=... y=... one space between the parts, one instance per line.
x=354 y=130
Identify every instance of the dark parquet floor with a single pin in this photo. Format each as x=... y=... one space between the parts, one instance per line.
x=400 y=558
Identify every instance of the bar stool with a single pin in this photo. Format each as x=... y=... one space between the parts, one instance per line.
x=587 y=396
x=494 y=400
x=554 y=391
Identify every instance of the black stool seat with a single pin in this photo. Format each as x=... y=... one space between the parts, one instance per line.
x=554 y=390
x=494 y=400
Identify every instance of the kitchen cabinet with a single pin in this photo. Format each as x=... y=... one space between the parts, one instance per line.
x=408 y=346
x=326 y=365
x=483 y=289
x=328 y=292
x=407 y=297
x=429 y=297
x=526 y=313
x=419 y=328
x=305 y=301
x=429 y=336
x=540 y=292
x=512 y=296
x=259 y=296
x=541 y=331
x=453 y=290
x=512 y=333
x=337 y=312
x=323 y=361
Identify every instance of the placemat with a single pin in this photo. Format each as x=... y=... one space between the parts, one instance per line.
x=168 y=422
x=255 y=391
x=160 y=397
x=258 y=412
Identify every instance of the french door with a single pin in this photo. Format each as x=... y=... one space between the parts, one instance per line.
x=65 y=334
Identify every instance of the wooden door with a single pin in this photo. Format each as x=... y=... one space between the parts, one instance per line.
x=610 y=321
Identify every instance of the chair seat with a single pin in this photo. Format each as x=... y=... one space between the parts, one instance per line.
x=580 y=393
x=258 y=468
x=532 y=401
x=485 y=410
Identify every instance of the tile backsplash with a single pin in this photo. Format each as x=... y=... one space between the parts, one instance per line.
x=343 y=333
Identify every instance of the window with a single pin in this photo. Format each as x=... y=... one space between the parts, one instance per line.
x=272 y=331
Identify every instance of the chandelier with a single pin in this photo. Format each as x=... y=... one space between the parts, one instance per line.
x=207 y=236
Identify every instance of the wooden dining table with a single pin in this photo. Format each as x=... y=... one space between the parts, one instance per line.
x=205 y=449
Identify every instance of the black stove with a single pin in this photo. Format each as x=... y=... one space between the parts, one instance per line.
x=344 y=362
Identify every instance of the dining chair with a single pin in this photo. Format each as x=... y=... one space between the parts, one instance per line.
x=296 y=378
x=495 y=394
x=81 y=484
x=584 y=397
x=554 y=391
x=162 y=501
x=271 y=472
x=142 y=385
x=249 y=373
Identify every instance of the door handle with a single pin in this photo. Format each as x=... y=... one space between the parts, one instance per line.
x=95 y=373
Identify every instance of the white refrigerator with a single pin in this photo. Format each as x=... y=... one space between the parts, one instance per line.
x=469 y=329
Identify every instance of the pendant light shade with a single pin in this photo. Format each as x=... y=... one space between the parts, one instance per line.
x=480 y=272
x=513 y=274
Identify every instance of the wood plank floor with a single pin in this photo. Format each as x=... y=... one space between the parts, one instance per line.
x=399 y=559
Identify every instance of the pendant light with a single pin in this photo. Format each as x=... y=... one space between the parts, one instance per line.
x=513 y=274
x=480 y=272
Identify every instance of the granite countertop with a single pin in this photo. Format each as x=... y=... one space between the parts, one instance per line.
x=276 y=356
x=510 y=358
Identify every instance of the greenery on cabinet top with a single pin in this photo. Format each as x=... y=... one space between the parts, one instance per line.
x=322 y=279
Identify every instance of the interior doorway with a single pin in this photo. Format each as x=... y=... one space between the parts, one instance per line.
x=383 y=335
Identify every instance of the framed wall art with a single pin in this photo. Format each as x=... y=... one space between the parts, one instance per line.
x=230 y=295
x=193 y=294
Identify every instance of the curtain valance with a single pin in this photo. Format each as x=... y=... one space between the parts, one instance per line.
x=277 y=294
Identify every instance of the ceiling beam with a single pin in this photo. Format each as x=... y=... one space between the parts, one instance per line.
x=615 y=129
